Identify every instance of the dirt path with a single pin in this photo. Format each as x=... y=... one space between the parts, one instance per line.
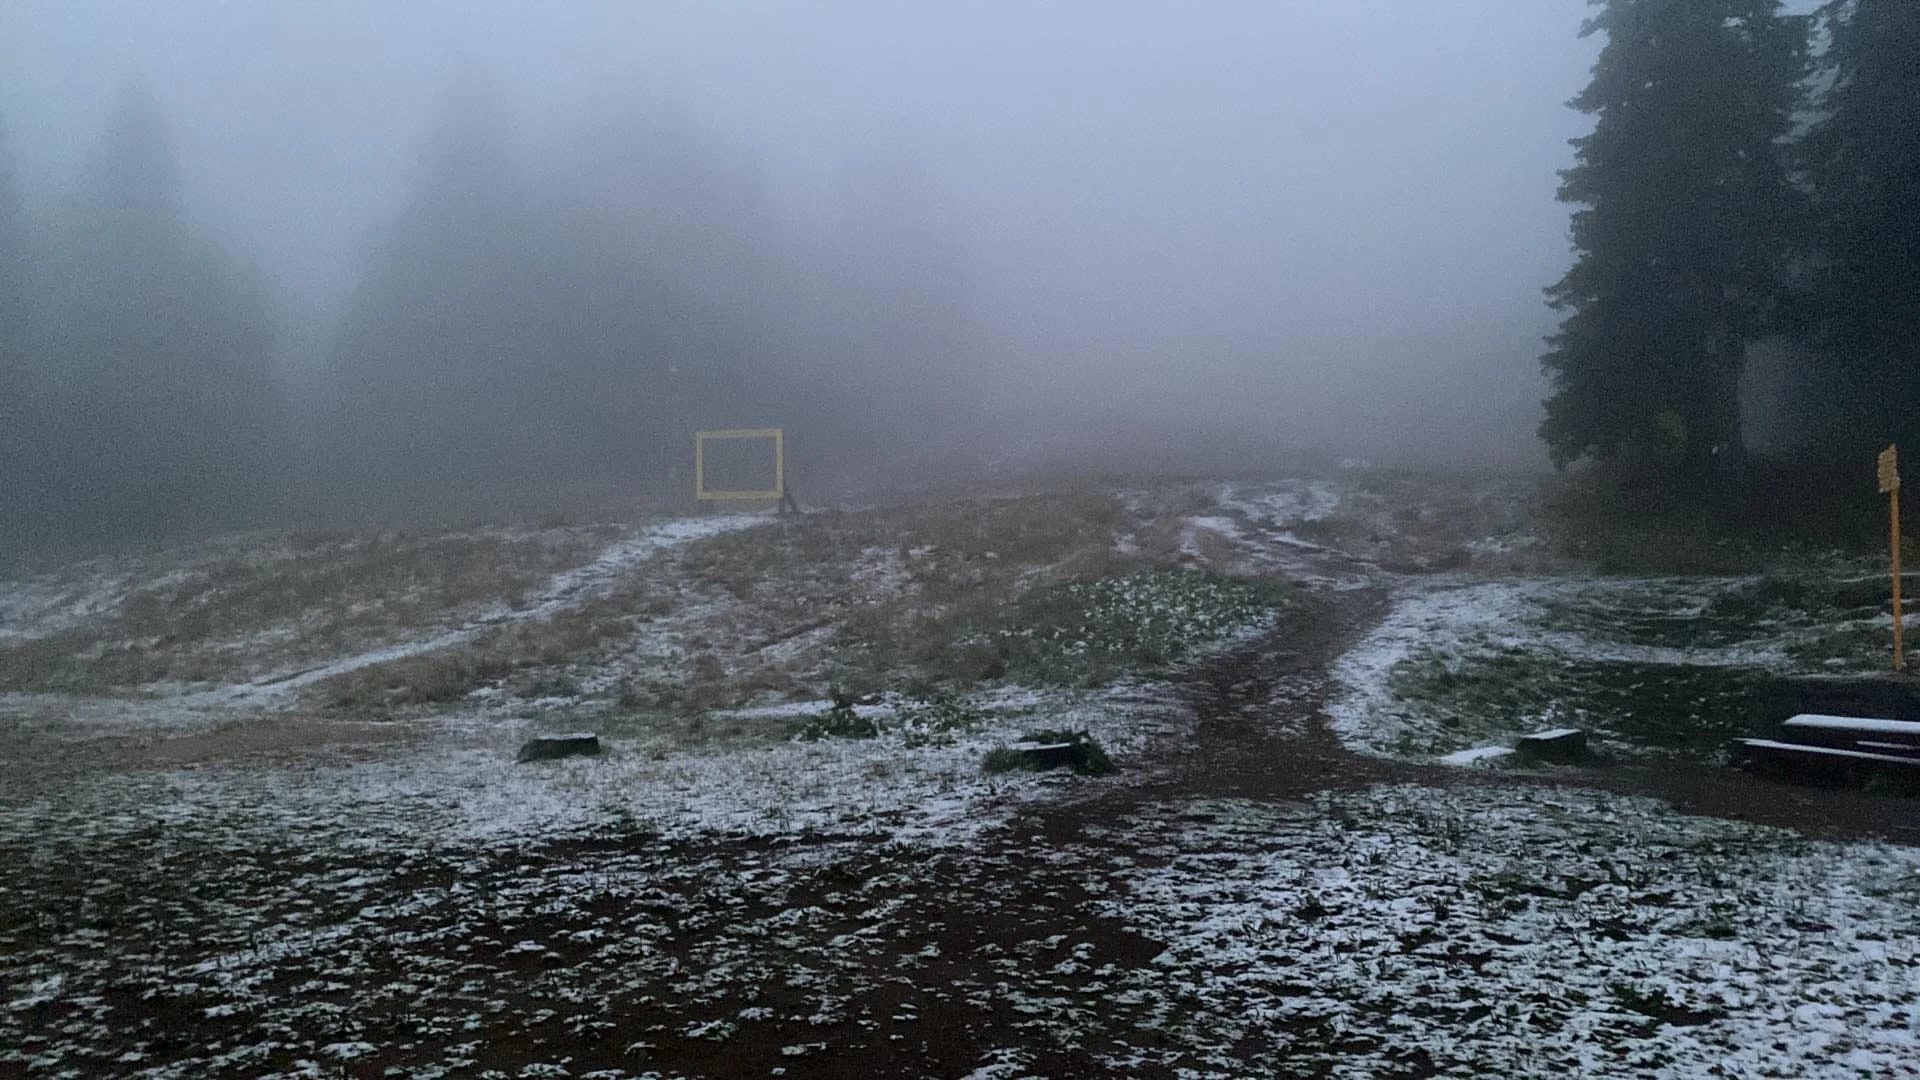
x=969 y=970
x=1005 y=959
x=973 y=965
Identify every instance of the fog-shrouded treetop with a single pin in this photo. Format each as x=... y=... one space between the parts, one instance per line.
x=1256 y=216
x=1862 y=165
x=152 y=363
x=1684 y=222
x=18 y=428
x=401 y=260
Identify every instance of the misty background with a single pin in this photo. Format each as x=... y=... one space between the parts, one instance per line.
x=492 y=248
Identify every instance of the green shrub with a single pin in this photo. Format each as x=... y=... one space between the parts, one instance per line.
x=839 y=722
x=1087 y=633
x=1003 y=759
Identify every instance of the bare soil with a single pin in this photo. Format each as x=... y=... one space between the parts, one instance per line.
x=977 y=934
x=1261 y=736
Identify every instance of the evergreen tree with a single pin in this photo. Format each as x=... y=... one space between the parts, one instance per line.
x=1862 y=160
x=671 y=299
x=1685 y=220
x=514 y=337
x=441 y=337
x=904 y=298
x=516 y=333
x=18 y=434
x=162 y=402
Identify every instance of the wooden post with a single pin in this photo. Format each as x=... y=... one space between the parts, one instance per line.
x=1899 y=619
x=1890 y=483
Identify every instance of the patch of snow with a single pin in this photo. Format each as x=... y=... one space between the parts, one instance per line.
x=43 y=606
x=566 y=591
x=1453 y=619
x=1281 y=504
x=1476 y=755
x=882 y=569
x=572 y=588
x=1818 y=722
x=1544 y=931
x=912 y=785
x=796 y=710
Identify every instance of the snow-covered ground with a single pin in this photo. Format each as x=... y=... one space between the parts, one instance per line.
x=1461 y=660
x=312 y=862
x=721 y=892
x=39 y=607
x=1528 y=932
x=567 y=591
x=909 y=782
x=1282 y=504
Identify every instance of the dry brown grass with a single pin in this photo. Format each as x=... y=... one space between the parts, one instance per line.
x=786 y=609
x=433 y=678
x=530 y=658
x=304 y=597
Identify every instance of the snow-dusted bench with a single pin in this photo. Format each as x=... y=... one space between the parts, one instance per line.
x=1840 y=746
x=1901 y=737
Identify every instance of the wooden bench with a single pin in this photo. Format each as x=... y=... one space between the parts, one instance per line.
x=1854 y=732
x=1839 y=748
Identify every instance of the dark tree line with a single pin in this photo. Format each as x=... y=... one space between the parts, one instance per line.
x=532 y=325
x=16 y=417
x=1752 y=176
x=141 y=398
x=1861 y=163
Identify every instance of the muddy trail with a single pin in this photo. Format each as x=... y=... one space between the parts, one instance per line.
x=855 y=956
x=1009 y=939
x=1007 y=934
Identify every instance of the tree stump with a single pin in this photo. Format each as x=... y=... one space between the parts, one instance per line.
x=1042 y=756
x=1566 y=746
x=549 y=747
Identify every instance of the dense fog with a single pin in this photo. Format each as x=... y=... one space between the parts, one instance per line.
x=310 y=261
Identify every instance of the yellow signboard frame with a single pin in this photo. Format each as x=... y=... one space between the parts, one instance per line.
x=700 y=440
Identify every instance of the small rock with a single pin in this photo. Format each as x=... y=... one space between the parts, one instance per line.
x=549 y=747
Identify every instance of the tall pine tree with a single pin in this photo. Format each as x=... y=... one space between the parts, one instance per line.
x=1862 y=160
x=904 y=294
x=1685 y=219
x=162 y=402
x=18 y=437
x=442 y=334
x=518 y=335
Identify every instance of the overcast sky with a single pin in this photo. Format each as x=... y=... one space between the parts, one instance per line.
x=1330 y=216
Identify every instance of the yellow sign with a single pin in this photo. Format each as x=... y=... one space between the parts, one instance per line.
x=1889 y=470
x=700 y=440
